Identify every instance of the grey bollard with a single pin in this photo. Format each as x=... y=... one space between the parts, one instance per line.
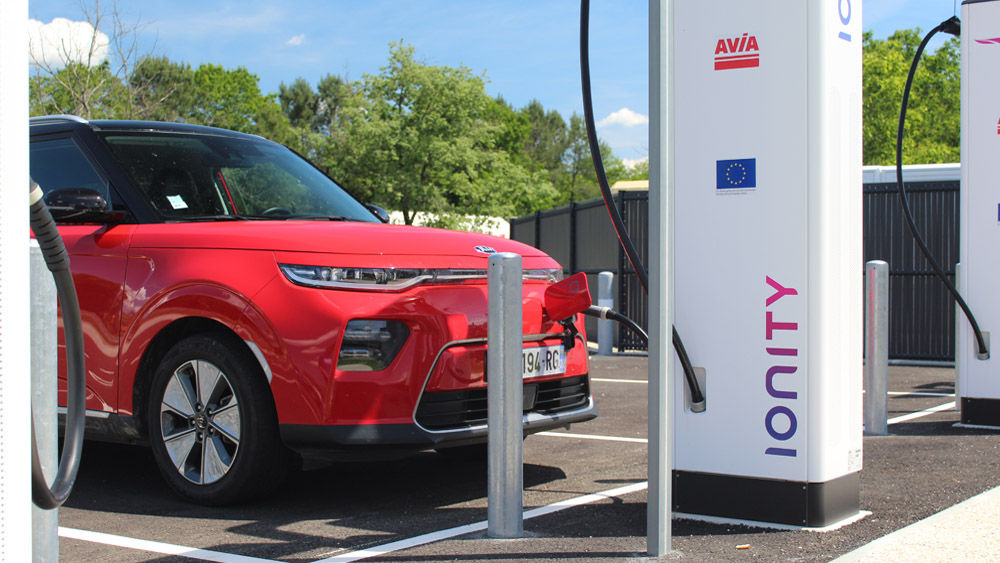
x=505 y=398
x=605 y=327
x=44 y=366
x=876 y=348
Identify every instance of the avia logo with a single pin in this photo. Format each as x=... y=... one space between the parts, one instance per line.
x=998 y=127
x=738 y=52
x=994 y=41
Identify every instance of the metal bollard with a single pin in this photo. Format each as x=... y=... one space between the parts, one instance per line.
x=44 y=367
x=505 y=398
x=876 y=348
x=605 y=327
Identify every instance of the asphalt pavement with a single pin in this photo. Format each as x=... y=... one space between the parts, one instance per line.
x=585 y=499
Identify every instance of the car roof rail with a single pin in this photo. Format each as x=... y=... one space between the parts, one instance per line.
x=57 y=119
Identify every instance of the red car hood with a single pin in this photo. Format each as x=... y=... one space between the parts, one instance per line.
x=369 y=239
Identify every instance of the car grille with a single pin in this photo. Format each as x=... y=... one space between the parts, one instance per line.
x=447 y=410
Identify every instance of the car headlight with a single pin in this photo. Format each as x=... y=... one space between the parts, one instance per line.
x=370 y=345
x=393 y=279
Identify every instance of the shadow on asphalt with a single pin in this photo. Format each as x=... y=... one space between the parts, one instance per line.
x=338 y=491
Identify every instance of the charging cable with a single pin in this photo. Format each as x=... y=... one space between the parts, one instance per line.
x=607 y=313
x=57 y=260
x=950 y=26
x=697 y=396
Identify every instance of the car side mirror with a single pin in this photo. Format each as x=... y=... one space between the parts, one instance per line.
x=377 y=211
x=568 y=297
x=79 y=205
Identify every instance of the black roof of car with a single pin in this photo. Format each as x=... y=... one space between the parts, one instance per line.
x=60 y=122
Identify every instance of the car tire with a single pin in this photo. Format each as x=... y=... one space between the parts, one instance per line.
x=212 y=423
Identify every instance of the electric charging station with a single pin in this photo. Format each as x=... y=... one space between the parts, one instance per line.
x=767 y=259
x=978 y=380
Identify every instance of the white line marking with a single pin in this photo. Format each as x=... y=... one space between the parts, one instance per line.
x=157 y=547
x=947 y=406
x=593 y=437
x=922 y=393
x=607 y=380
x=770 y=525
x=479 y=526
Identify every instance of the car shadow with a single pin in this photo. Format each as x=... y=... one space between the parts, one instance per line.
x=343 y=506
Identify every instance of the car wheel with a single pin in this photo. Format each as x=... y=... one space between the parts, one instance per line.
x=212 y=424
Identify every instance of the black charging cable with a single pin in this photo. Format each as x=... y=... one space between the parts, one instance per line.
x=57 y=260
x=607 y=313
x=697 y=396
x=950 y=26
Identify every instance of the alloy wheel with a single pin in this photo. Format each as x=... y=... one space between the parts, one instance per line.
x=200 y=422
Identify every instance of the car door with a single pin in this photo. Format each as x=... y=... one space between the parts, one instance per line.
x=98 y=255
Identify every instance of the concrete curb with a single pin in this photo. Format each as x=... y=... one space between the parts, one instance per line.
x=965 y=532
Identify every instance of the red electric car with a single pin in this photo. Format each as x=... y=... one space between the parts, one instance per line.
x=241 y=310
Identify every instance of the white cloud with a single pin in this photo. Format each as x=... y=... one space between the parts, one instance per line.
x=632 y=162
x=64 y=41
x=297 y=40
x=625 y=117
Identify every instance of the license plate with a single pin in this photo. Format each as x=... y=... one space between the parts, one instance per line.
x=543 y=360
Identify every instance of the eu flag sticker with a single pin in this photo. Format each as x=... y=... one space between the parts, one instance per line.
x=736 y=174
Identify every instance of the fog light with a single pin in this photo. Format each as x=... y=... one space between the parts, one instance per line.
x=371 y=345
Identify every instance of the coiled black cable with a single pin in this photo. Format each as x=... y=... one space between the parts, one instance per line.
x=57 y=260
x=951 y=26
x=697 y=396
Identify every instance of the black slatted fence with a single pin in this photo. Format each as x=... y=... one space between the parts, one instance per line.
x=921 y=312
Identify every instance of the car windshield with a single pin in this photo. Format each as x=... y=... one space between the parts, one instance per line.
x=202 y=176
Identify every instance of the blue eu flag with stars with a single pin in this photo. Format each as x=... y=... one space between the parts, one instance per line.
x=739 y=173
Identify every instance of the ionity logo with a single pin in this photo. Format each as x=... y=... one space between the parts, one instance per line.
x=737 y=52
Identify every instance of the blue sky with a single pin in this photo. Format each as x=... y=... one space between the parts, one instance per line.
x=528 y=49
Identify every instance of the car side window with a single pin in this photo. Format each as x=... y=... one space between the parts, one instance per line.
x=59 y=163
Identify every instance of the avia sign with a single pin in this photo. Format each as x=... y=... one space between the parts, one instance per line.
x=737 y=52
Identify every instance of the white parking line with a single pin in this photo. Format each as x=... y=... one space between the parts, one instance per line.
x=921 y=393
x=950 y=405
x=158 y=547
x=607 y=380
x=479 y=526
x=593 y=437
x=219 y=557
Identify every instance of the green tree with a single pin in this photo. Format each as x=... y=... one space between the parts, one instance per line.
x=163 y=90
x=640 y=171
x=422 y=139
x=932 y=129
x=515 y=129
x=91 y=92
x=319 y=116
x=298 y=103
x=92 y=78
x=210 y=95
x=229 y=99
x=547 y=141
